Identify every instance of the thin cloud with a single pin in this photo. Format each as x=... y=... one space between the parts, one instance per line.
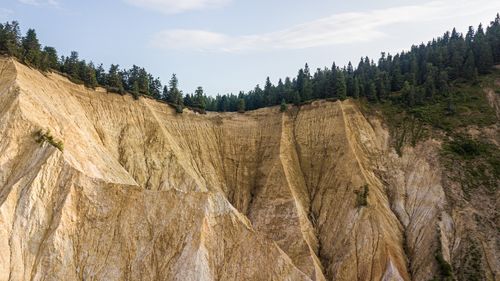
x=176 y=6
x=5 y=13
x=344 y=28
x=40 y=2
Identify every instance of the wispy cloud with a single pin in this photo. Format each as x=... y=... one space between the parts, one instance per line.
x=176 y=6
x=40 y=2
x=5 y=13
x=353 y=27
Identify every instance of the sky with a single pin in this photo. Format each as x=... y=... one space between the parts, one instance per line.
x=232 y=45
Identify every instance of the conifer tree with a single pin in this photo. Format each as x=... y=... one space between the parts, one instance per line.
x=199 y=98
x=341 y=86
x=493 y=35
x=10 y=39
x=241 y=105
x=89 y=76
x=31 y=49
x=355 y=91
x=397 y=77
x=100 y=75
x=113 y=79
x=295 y=98
x=268 y=92
x=49 y=58
x=174 y=94
x=371 y=91
x=469 y=68
x=408 y=93
x=135 y=90
x=482 y=51
x=143 y=81
x=154 y=87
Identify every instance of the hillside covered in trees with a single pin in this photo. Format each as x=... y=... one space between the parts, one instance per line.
x=421 y=75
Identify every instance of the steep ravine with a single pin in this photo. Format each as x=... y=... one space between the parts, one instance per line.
x=143 y=193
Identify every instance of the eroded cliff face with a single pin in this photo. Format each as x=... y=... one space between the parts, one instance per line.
x=143 y=193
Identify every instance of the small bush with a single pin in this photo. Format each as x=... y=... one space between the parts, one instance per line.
x=445 y=268
x=179 y=108
x=465 y=147
x=362 y=196
x=283 y=106
x=42 y=137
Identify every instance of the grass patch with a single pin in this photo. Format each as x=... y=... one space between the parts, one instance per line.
x=474 y=164
x=471 y=268
x=41 y=137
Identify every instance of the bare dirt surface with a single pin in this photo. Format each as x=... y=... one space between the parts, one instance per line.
x=142 y=193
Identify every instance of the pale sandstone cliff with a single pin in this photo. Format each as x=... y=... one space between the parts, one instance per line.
x=143 y=193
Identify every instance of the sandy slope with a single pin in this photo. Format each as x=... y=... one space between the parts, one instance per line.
x=141 y=193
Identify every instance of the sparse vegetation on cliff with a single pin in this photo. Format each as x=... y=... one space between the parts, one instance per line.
x=45 y=136
x=362 y=196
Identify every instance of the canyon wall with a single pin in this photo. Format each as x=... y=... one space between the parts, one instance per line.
x=142 y=193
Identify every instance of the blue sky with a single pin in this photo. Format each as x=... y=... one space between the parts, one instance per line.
x=231 y=45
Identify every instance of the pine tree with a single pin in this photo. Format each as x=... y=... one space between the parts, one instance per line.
x=71 y=66
x=154 y=87
x=280 y=90
x=442 y=83
x=408 y=94
x=430 y=81
x=383 y=85
x=100 y=75
x=174 y=94
x=493 y=35
x=89 y=77
x=469 y=68
x=371 y=92
x=241 y=105
x=307 y=90
x=49 y=58
x=268 y=92
x=341 y=87
x=199 y=98
x=482 y=51
x=113 y=79
x=10 y=39
x=165 y=93
x=31 y=49
x=355 y=91
x=135 y=90
x=143 y=81
x=304 y=85
x=457 y=50
x=397 y=77
x=296 y=98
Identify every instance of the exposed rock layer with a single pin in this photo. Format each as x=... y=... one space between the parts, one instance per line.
x=143 y=193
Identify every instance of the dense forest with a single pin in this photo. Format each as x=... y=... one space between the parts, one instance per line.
x=421 y=75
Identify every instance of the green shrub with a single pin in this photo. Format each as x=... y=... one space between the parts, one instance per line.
x=444 y=267
x=362 y=196
x=471 y=268
x=283 y=106
x=179 y=108
x=465 y=147
x=42 y=137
